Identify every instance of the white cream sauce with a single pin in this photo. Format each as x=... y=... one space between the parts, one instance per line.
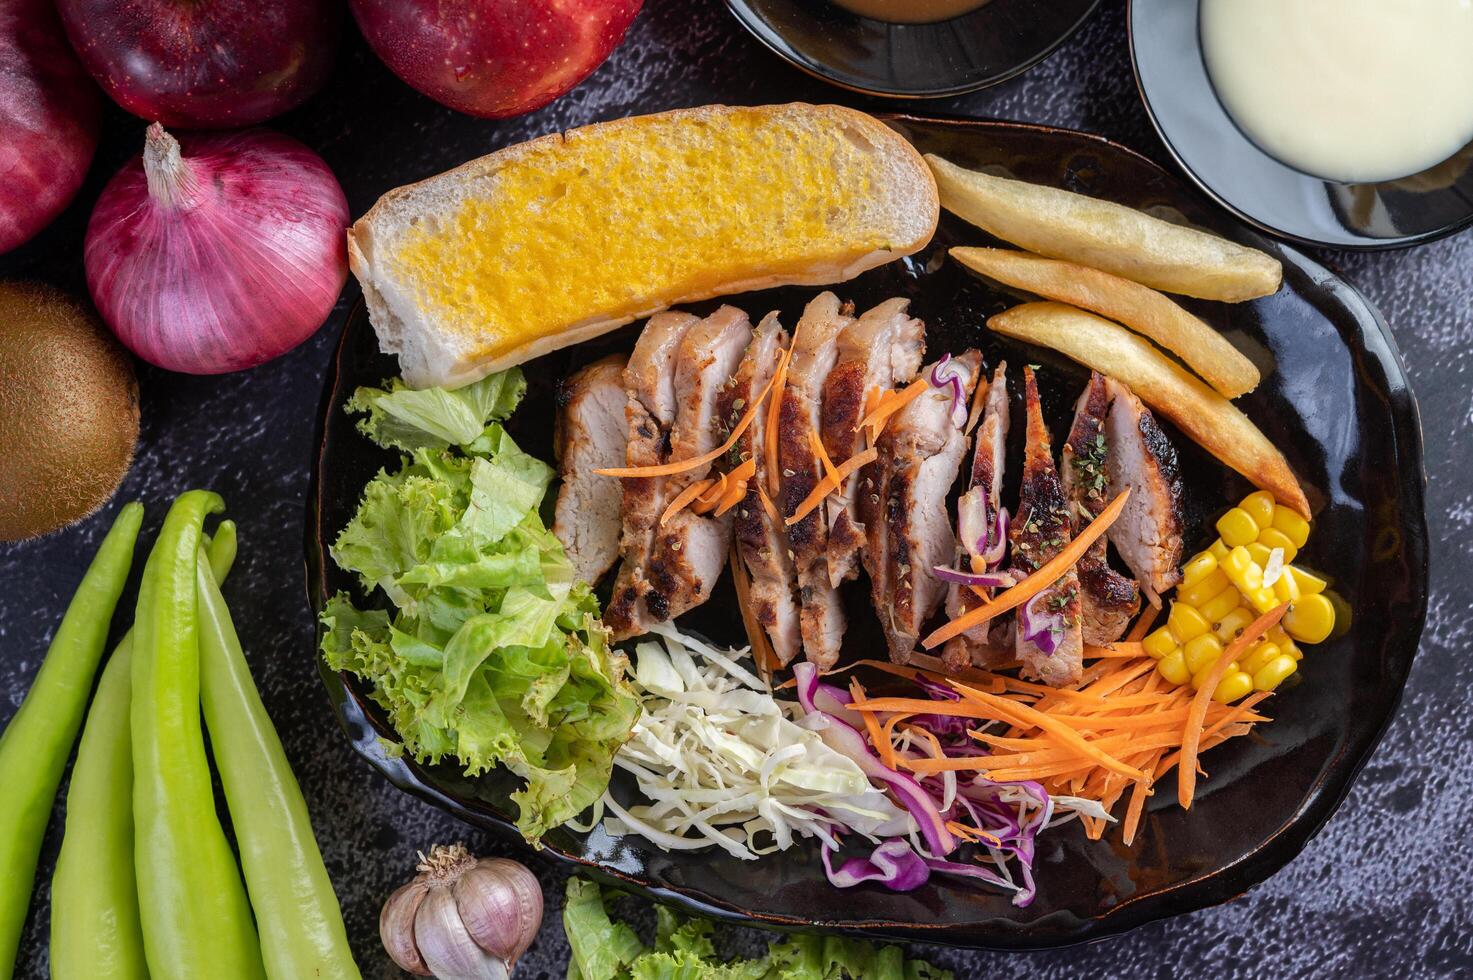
x=1347 y=90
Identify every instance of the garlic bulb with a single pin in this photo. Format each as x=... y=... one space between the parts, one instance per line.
x=462 y=918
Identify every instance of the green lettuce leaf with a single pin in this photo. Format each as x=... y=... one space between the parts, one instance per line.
x=491 y=654
x=400 y=417
x=684 y=950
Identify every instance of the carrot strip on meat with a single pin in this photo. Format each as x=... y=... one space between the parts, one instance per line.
x=1035 y=583
x=1142 y=625
x=768 y=505
x=888 y=404
x=831 y=483
x=774 y=421
x=712 y=495
x=684 y=498
x=762 y=653
x=816 y=444
x=1186 y=781
x=979 y=401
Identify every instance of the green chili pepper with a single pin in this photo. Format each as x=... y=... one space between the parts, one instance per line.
x=95 y=930
x=36 y=743
x=196 y=921
x=302 y=933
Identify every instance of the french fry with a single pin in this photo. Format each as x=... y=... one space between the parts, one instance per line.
x=1210 y=420
x=1138 y=307
x=1103 y=235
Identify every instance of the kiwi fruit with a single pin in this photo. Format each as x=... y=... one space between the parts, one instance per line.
x=68 y=411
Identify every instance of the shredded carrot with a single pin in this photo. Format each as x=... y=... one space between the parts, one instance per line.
x=1046 y=576
x=884 y=747
x=778 y=384
x=682 y=466
x=979 y=399
x=734 y=490
x=1186 y=781
x=684 y=498
x=712 y=495
x=1115 y=651
x=762 y=653
x=816 y=444
x=887 y=405
x=831 y=483
x=768 y=505
x=1044 y=722
x=1135 y=807
x=1143 y=624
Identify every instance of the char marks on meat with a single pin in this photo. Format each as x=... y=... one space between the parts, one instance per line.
x=921 y=450
x=690 y=549
x=879 y=351
x=1108 y=600
x=977 y=512
x=762 y=541
x=649 y=384
x=1148 y=531
x=591 y=433
x=1042 y=529
x=821 y=615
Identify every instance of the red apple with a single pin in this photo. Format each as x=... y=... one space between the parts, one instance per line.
x=49 y=111
x=205 y=63
x=494 y=58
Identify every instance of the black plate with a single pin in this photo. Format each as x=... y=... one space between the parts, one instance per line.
x=993 y=43
x=1259 y=188
x=1337 y=402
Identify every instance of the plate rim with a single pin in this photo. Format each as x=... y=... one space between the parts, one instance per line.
x=1363 y=244
x=1203 y=891
x=742 y=11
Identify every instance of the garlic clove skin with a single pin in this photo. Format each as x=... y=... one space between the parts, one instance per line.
x=447 y=948
x=500 y=904
x=396 y=928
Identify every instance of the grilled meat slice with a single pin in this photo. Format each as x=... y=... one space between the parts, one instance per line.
x=591 y=434
x=922 y=448
x=649 y=413
x=762 y=541
x=690 y=549
x=1148 y=532
x=977 y=512
x=1108 y=600
x=880 y=350
x=1042 y=530
x=814 y=353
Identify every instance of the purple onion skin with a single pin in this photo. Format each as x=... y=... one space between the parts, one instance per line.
x=205 y=63
x=271 y=218
x=49 y=111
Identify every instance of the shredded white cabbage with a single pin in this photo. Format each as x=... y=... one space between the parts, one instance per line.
x=724 y=763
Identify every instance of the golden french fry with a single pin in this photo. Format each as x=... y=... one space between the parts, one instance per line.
x=1210 y=420
x=1138 y=307
x=1112 y=237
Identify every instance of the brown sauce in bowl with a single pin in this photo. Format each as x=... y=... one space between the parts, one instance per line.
x=910 y=11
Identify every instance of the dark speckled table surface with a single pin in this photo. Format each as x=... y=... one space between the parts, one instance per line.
x=1384 y=890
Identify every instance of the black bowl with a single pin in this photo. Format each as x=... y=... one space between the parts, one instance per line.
x=1262 y=190
x=988 y=45
x=1336 y=401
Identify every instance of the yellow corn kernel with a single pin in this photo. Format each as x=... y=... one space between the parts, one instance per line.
x=1201 y=652
x=1242 y=572
x=1228 y=628
x=1263 y=599
x=1194 y=571
x=1273 y=538
x=1260 y=507
x=1201 y=675
x=1291 y=525
x=1261 y=654
x=1309 y=584
x=1258 y=552
x=1174 y=668
x=1233 y=686
x=1159 y=643
x=1286 y=588
x=1273 y=673
x=1291 y=649
x=1277 y=635
x=1237 y=528
x=1214 y=609
x=1198 y=594
x=1310 y=619
x=1219 y=551
x=1186 y=623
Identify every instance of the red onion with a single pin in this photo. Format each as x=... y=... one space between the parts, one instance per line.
x=984 y=580
x=48 y=120
x=1042 y=629
x=219 y=258
x=948 y=374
